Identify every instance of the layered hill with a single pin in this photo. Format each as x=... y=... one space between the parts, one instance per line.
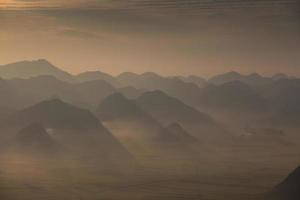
x=173 y=86
x=167 y=109
x=96 y=75
x=234 y=96
x=251 y=79
x=54 y=114
x=283 y=97
x=8 y=98
x=33 y=90
x=138 y=130
x=79 y=132
x=27 y=69
x=92 y=92
x=201 y=82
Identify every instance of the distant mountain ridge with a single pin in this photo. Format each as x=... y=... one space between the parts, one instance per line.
x=234 y=96
x=54 y=114
x=28 y=69
x=97 y=75
x=253 y=79
x=30 y=82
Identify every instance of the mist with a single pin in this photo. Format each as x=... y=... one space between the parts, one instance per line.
x=149 y=99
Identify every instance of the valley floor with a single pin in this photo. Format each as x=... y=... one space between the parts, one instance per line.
x=229 y=178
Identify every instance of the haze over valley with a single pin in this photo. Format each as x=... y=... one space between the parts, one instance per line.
x=149 y=99
x=143 y=136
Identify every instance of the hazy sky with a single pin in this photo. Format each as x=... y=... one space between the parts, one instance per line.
x=201 y=37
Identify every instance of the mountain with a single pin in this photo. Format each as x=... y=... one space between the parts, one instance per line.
x=178 y=131
x=227 y=77
x=167 y=109
x=123 y=113
x=97 y=75
x=131 y=92
x=27 y=69
x=136 y=129
x=117 y=106
x=283 y=98
x=8 y=98
x=187 y=92
x=119 y=112
x=33 y=140
x=33 y=90
x=127 y=78
x=54 y=114
x=289 y=188
x=199 y=81
x=251 y=79
x=79 y=132
x=148 y=80
x=84 y=94
x=92 y=92
x=234 y=96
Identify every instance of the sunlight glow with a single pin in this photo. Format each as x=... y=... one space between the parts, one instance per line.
x=15 y=4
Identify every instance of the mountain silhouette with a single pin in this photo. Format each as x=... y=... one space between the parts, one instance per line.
x=178 y=131
x=84 y=94
x=27 y=69
x=92 y=92
x=33 y=140
x=131 y=92
x=201 y=82
x=167 y=109
x=283 y=101
x=136 y=128
x=232 y=96
x=251 y=79
x=8 y=98
x=79 y=132
x=34 y=90
x=173 y=86
x=118 y=109
x=117 y=106
x=54 y=114
x=97 y=75
x=289 y=188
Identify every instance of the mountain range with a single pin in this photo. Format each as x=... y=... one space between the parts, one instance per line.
x=138 y=113
x=28 y=82
x=149 y=129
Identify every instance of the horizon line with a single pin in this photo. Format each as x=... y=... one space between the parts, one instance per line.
x=157 y=73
